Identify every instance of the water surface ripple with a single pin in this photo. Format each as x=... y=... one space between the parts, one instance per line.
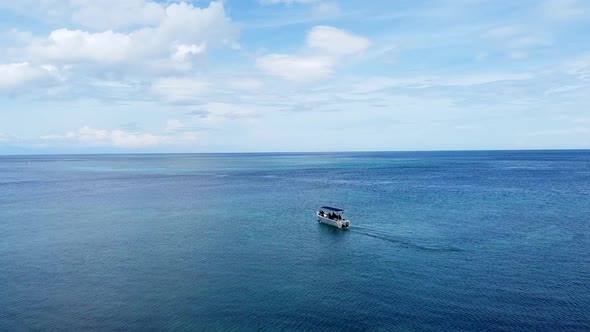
x=456 y=241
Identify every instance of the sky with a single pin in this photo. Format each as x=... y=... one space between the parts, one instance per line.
x=126 y=76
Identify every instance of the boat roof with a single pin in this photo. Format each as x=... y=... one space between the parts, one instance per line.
x=329 y=208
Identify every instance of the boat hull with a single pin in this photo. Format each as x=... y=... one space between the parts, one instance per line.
x=343 y=224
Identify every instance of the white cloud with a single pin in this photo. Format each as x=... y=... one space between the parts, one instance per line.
x=97 y=15
x=379 y=83
x=118 y=138
x=57 y=10
x=485 y=78
x=325 y=48
x=114 y=14
x=481 y=56
x=92 y=137
x=20 y=37
x=517 y=40
x=526 y=42
x=174 y=125
x=245 y=84
x=112 y=84
x=218 y=111
x=162 y=67
x=183 y=30
x=198 y=89
x=566 y=88
x=421 y=82
x=579 y=67
x=561 y=132
x=287 y=2
x=566 y=10
x=335 y=42
x=518 y=55
x=18 y=75
x=582 y=120
x=183 y=51
x=503 y=32
x=181 y=89
x=388 y=55
x=296 y=68
x=326 y=10
x=75 y=45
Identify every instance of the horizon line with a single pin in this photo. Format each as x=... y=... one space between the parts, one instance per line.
x=294 y=152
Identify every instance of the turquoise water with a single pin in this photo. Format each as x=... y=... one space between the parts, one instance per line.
x=464 y=241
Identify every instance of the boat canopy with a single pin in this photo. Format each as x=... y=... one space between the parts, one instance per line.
x=333 y=209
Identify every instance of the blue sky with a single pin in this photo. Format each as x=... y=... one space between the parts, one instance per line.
x=293 y=75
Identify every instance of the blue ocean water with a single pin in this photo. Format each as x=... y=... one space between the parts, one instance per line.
x=457 y=241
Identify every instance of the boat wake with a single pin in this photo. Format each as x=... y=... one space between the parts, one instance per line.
x=403 y=242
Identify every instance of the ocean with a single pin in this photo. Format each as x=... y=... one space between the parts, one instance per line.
x=439 y=241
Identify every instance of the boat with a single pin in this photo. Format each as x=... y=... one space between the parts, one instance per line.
x=332 y=216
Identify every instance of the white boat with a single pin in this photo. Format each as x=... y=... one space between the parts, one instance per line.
x=332 y=216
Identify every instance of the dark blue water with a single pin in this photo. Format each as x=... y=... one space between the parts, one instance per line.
x=464 y=241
